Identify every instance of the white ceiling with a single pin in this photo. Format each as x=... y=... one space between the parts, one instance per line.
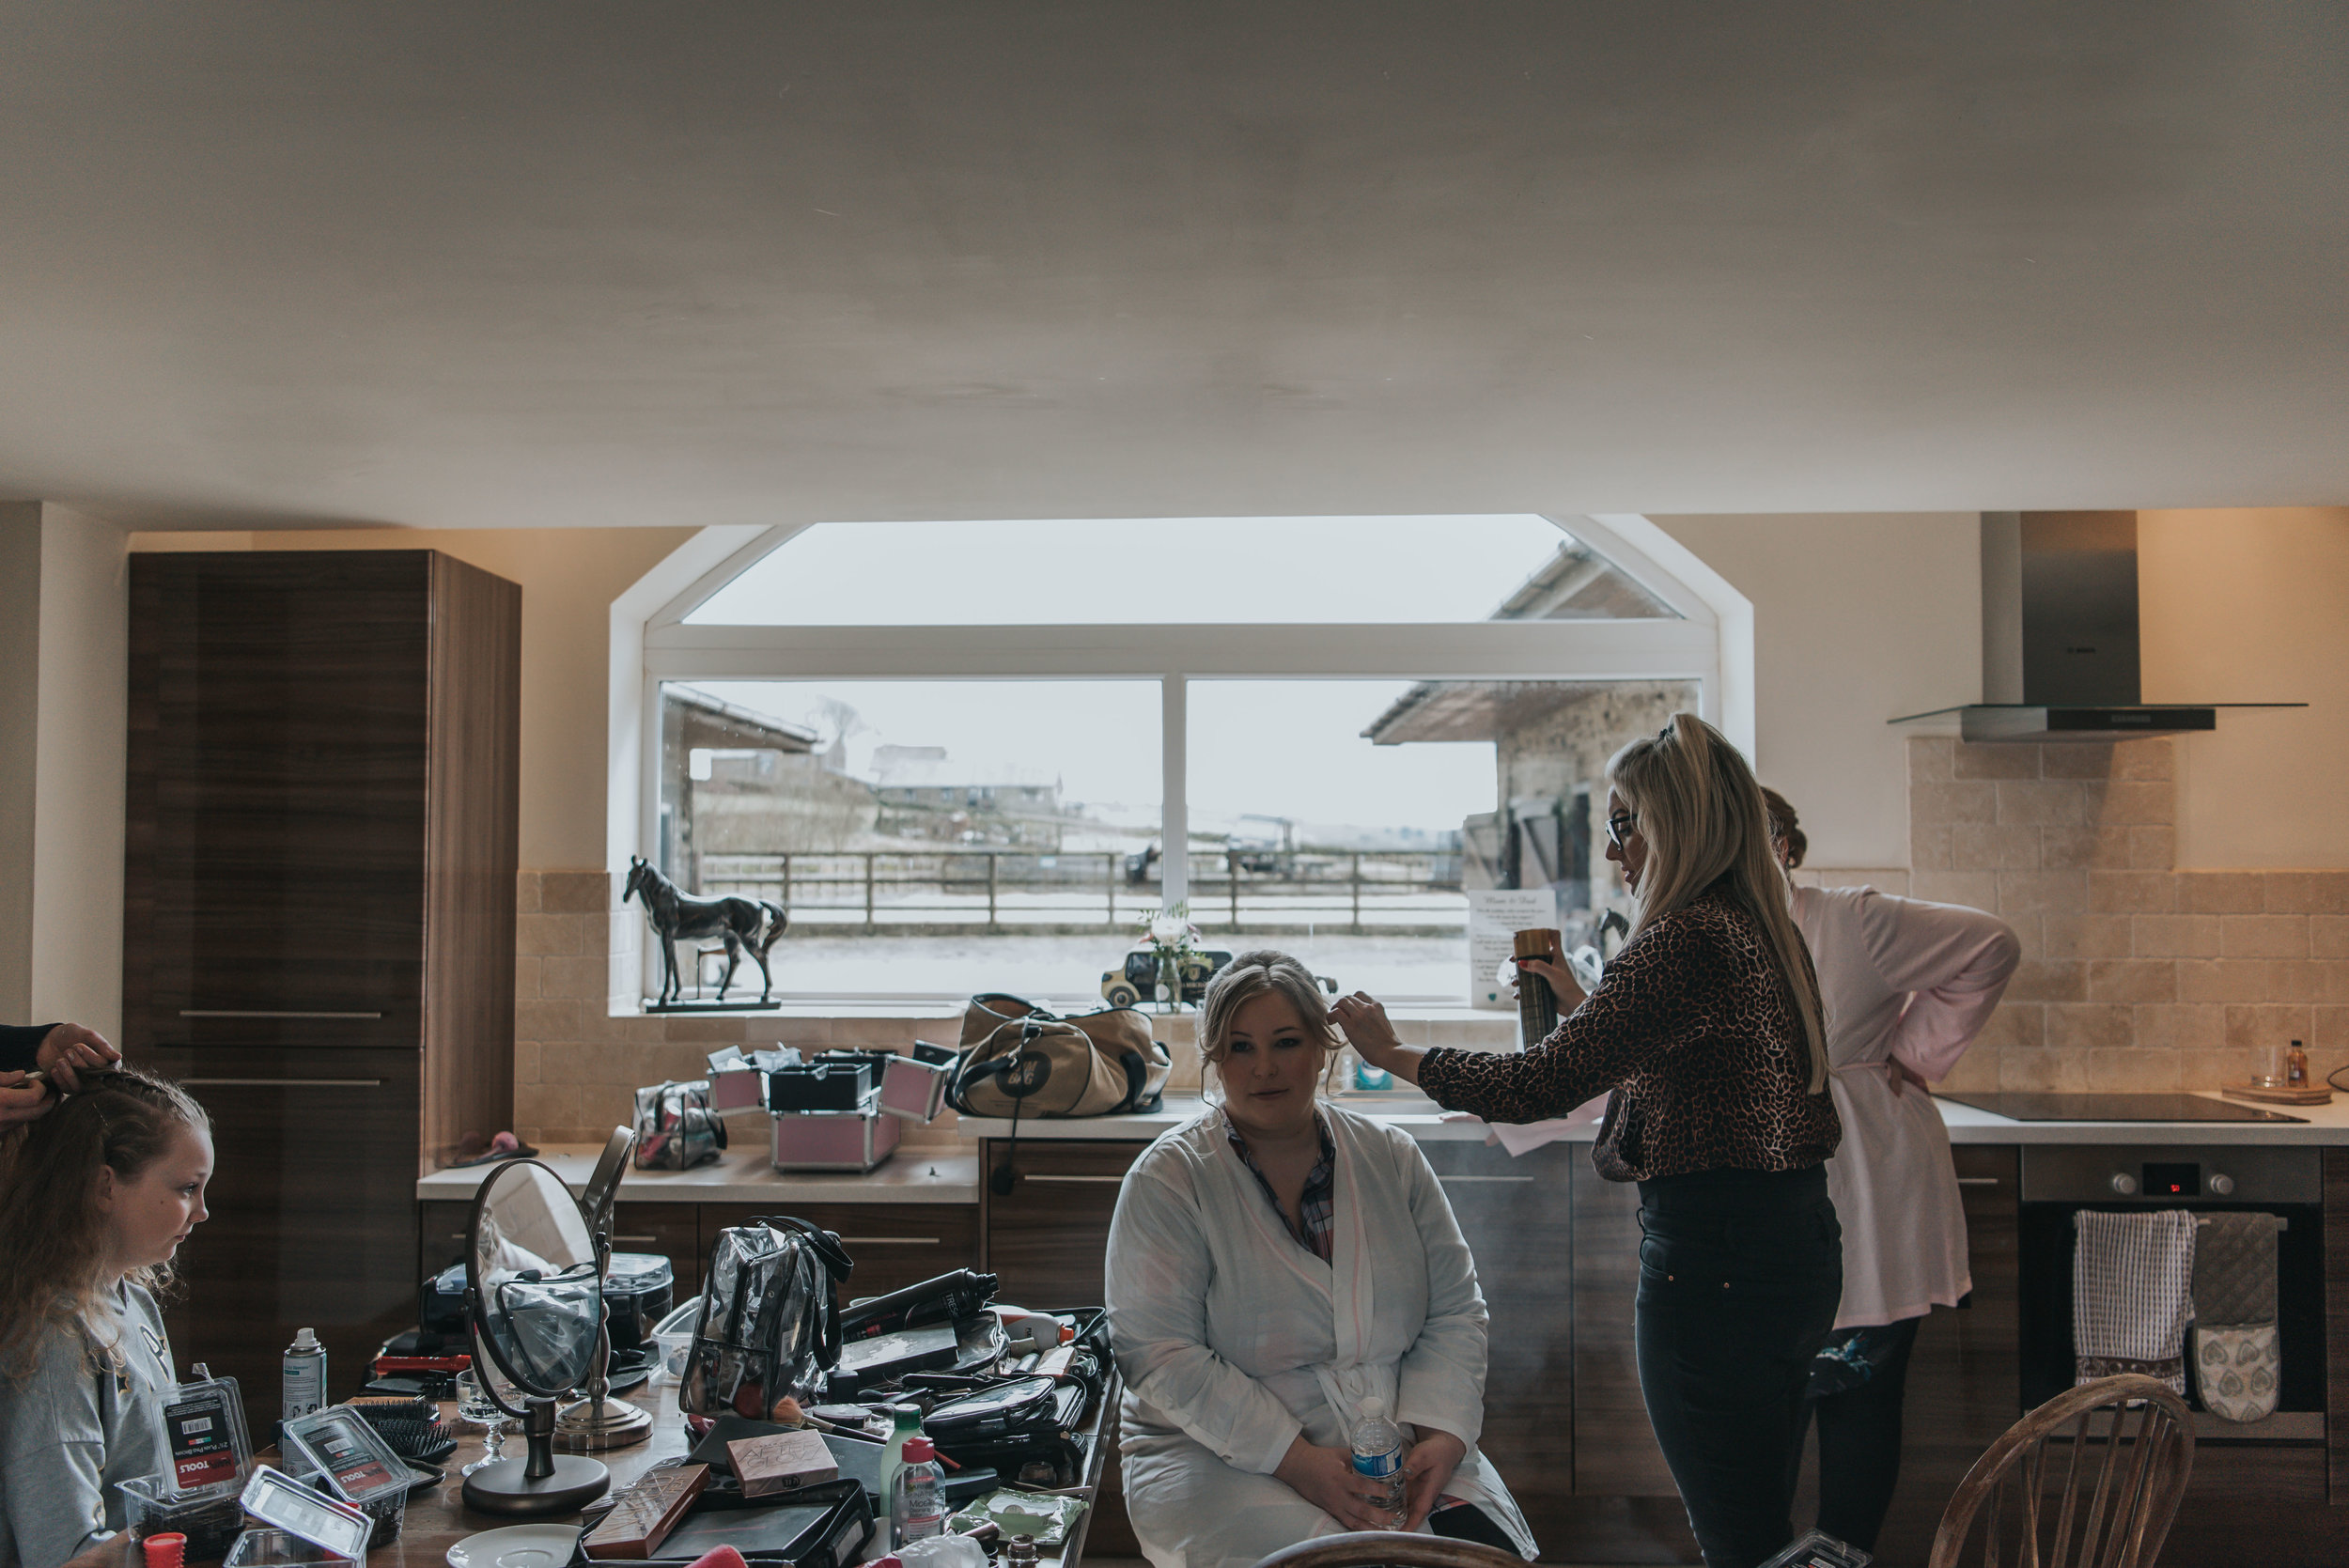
x=470 y=265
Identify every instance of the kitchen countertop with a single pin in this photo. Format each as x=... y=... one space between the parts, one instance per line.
x=1422 y=1120
x=912 y=1176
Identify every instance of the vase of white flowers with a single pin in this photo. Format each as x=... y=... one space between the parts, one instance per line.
x=1173 y=939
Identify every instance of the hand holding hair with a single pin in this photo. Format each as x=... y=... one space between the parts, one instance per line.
x=71 y=1049
x=1363 y=1022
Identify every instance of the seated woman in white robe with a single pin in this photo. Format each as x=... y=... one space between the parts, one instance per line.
x=1273 y=1264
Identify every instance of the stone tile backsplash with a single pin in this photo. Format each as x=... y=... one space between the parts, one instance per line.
x=2134 y=974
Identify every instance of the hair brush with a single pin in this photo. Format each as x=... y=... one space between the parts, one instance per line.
x=411 y=1434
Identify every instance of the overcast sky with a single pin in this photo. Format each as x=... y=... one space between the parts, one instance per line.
x=1222 y=570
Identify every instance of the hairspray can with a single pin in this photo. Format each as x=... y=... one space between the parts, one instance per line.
x=305 y=1376
x=1537 y=1004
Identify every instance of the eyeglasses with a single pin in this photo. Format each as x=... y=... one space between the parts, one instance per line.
x=1622 y=826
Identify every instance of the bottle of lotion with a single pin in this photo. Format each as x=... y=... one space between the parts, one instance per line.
x=305 y=1376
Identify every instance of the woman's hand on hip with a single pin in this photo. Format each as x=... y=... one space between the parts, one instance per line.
x=1363 y=1022
x=1327 y=1479
x=1430 y=1465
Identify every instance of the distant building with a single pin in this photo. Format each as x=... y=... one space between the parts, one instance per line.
x=924 y=793
x=1551 y=739
x=734 y=781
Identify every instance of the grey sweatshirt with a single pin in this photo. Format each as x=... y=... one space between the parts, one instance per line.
x=77 y=1426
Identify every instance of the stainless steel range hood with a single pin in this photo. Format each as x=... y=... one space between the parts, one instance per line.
x=2060 y=635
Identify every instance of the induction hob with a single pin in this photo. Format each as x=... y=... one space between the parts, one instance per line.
x=2037 y=1107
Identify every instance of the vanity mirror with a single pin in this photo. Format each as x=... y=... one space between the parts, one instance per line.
x=534 y=1301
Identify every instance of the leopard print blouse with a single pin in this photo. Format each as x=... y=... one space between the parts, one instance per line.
x=1694 y=1029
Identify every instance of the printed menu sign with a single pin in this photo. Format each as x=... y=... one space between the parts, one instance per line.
x=1495 y=917
x=202 y=1451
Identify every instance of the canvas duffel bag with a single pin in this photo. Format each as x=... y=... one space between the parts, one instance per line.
x=1020 y=1059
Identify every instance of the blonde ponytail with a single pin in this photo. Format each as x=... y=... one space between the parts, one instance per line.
x=1703 y=815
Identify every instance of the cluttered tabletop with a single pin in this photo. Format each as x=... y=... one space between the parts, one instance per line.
x=999 y=1437
x=669 y=1508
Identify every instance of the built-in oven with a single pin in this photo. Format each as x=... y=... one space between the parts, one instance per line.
x=2059 y=1182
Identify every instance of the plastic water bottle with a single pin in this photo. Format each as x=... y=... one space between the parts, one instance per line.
x=917 y=1503
x=906 y=1425
x=305 y=1376
x=1378 y=1455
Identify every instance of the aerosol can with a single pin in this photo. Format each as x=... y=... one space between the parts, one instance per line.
x=305 y=1376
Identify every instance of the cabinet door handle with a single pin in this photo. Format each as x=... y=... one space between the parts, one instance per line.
x=1072 y=1180
x=264 y=1013
x=636 y=1238
x=1483 y=1178
x=890 y=1241
x=1977 y=1181
x=287 y=1083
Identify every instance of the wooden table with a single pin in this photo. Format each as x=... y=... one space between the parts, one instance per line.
x=438 y=1517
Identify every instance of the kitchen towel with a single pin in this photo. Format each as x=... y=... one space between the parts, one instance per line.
x=2238 y=1362
x=2132 y=1294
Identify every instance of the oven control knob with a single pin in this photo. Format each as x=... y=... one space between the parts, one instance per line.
x=2125 y=1184
x=2223 y=1186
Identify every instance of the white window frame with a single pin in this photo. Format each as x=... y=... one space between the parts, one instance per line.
x=1711 y=643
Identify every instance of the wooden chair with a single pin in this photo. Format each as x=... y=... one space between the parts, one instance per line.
x=1358 y=1549
x=2140 y=1458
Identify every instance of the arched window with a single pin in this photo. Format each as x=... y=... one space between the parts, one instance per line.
x=977 y=755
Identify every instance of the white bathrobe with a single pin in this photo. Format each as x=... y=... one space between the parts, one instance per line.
x=1910 y=982
x=1233 y=1339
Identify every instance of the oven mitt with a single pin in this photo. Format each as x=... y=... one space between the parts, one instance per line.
x=2234 y=1268
x=2236 y=1369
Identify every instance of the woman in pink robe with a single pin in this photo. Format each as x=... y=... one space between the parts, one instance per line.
x=1907 y=984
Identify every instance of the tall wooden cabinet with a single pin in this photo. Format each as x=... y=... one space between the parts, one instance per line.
x=319 y=919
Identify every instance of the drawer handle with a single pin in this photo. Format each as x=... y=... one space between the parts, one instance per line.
x=287 y=1083
x=636 y=1238
x=1074 y=1180
x=1483 y=1178
x=264 y=1013
x=890 y=1241
x=1977 y=1181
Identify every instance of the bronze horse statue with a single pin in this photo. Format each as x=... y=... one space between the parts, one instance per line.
x=754 y=924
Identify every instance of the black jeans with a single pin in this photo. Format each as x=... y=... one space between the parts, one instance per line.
x=1740 y=1272
x=1860 y=1437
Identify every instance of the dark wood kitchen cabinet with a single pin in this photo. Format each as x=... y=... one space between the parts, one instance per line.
x=319 y=918
x=1047 y=1239
x=1520 y=1228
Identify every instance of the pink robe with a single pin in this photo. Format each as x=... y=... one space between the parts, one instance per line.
x=1910 y=982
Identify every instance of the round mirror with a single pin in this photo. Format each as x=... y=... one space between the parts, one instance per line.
x=531 y=1272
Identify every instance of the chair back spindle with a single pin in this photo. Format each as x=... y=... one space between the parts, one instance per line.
x=2092 y=1479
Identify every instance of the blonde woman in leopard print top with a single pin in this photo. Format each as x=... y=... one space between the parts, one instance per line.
x=1709 y=1031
